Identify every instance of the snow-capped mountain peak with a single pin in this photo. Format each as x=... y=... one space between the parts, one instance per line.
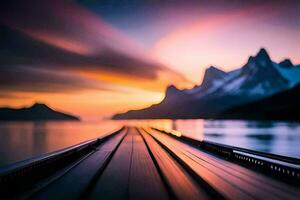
x=287 y=63
x=263 y=57
x=213 y=78
x=212 y=75
x=257 y=78
x=261 y=60
x=289 y=71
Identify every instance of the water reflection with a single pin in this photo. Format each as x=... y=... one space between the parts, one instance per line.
x=22 y=140
x=262 y=137
x=281 y=138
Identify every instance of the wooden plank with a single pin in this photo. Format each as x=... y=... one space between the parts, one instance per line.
x=259 y=181
x=74 y=183
x=218 y=183
x=266 y=184
x=113 y=183
x=181 y=184
x=238 y=177
x=144 y=181
x=40 y=185
x=131 y=174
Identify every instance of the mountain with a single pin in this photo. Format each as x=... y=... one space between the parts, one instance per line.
x=281 y=106
x=212 y=77
x=260 y=77
x=35 y=112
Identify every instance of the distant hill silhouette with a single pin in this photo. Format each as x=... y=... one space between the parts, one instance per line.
x=282 y=106
x=259 y=78
x=37 y=111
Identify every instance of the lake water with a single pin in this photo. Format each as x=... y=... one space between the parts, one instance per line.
x=23 y=140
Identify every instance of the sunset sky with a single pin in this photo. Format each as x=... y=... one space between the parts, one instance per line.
x=95 y=58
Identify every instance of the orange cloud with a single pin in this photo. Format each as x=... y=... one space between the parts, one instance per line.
x=63 y=43
x=66 y=37
x=68 y=57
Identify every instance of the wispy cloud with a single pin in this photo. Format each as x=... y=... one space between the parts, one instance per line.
x=51 y=46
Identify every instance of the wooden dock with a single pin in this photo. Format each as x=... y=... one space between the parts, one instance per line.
x=136 y=163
